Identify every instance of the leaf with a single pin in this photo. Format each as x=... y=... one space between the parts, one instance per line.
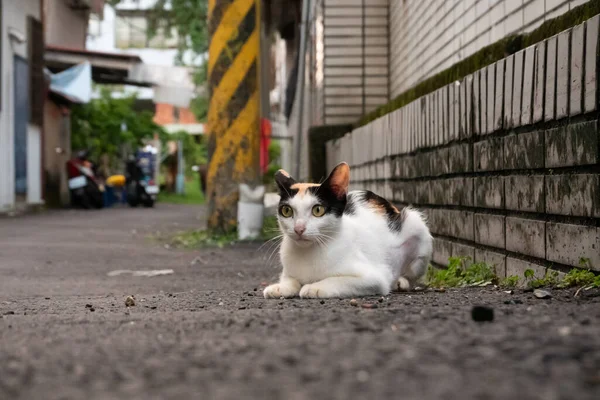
x=528 y=274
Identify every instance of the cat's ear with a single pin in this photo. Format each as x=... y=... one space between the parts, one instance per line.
x=338 y=180
x=284 y=181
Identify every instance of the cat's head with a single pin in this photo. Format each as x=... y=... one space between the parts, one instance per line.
x=311 y=213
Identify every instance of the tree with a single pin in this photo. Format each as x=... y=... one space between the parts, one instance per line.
x=189 y=20
x=106 y=124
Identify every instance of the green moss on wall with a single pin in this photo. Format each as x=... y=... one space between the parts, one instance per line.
x=486 y=56
x=317 y=137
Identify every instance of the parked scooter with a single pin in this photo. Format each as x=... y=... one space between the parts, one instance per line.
x=141 y=188
x=84 y=186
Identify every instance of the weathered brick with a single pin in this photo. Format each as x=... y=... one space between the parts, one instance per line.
x=456 y=223
x=524 y=151
x=539 y=82
x=440 y=160
x=569 y=244
x=526 y=236
x=562 y=75
x=592 y=52
x=452 y=135
x=440 y=117
x=489 y=191
x=423 y=192
x=499 y=96
x=528 y=69
x=508 y=90
x=524 y=193
x=496 y=260
x=491 y=96
x=423 y=164
x=469 y=109
x=577 y=144
x=517 y=88
x=549 y=108
x=483 y=105
x=488 y=155
x=461 y=250
x=460 y=191
x=476 y=103
x=457 y=112
x=489 y=230
x=577 y=195
x=403 y=192
x=462 y=130
x=446 y=124
x=435 y=222
x=577 y=56
x=460 y=158
x=439 y=191
x=442 y=251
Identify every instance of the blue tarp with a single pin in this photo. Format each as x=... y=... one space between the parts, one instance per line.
x=74 y=83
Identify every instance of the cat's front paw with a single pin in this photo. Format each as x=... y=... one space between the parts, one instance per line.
x=315 y=291
x=279 y=290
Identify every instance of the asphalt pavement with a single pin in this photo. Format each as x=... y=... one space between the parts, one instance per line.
x=204 y=331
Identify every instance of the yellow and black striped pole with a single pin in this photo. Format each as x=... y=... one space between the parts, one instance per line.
x=234 y=108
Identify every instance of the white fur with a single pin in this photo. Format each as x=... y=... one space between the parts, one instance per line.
x=355 y=255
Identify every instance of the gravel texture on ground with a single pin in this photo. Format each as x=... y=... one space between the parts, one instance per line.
x=205 y=331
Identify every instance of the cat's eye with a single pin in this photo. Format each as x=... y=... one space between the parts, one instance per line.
x=286 y=211
x=318 y=210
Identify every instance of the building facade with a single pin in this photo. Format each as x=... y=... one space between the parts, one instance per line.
x=20 y=112
x=362 y=53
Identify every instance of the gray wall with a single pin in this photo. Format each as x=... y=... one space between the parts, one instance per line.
x=428 y=36
x=505 y=163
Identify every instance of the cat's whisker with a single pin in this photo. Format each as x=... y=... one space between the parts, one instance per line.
x=270 y=241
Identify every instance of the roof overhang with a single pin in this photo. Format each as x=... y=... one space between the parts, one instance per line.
x=107 y=68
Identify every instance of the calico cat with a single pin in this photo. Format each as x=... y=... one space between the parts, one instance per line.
x=340 y=244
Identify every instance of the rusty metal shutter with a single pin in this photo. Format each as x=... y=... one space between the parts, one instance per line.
x=36 y=71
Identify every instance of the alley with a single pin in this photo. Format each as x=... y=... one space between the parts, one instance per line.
x=206 y=332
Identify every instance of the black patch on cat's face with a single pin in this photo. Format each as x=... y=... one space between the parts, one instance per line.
x=333 y=203
x=350 y=205
x=284 y=182
x=394 y=216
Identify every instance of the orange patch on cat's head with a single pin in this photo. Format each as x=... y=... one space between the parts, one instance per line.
x=378 y=207
x=302 y=188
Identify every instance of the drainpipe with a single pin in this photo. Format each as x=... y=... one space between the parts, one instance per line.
x=306 y=7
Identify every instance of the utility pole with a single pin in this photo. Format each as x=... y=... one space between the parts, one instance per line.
x=234 y=108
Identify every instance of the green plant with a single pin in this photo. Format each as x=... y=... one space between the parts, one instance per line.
x=510 y=281
x=192 y=194
x=195 y=151
x=461 y=272
x=106 y=125
x=550 y=278
x=274 y=164
x=201 y=238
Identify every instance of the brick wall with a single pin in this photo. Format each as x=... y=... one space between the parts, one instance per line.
x=505 y=162
x=429 y=36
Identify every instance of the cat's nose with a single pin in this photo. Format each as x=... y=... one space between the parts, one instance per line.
x=299 y=229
